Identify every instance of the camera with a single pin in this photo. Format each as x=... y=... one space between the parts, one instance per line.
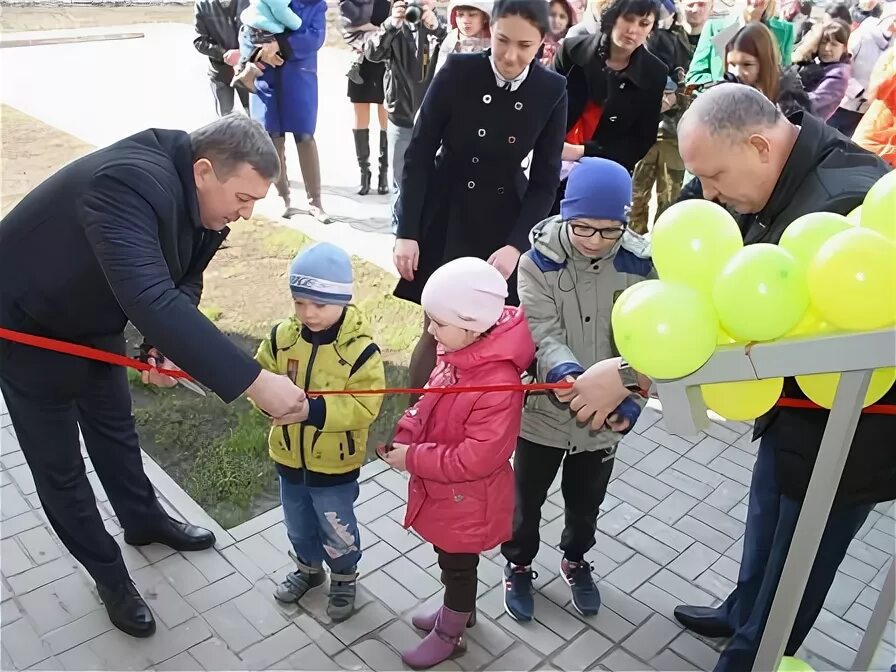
x=413 y=13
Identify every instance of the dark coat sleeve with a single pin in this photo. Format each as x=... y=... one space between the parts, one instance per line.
x=544 y=176
x=118 y=213
x=419 y=160
x=204 y=42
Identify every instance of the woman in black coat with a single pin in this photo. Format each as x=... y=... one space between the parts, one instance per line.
x=463 y=191
x=613 y=81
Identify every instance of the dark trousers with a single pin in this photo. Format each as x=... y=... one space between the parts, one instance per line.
x=845 y=121
x=584 y=486
x=224 y=97
x=771 y=520
x=49 y=396
x=459 y=579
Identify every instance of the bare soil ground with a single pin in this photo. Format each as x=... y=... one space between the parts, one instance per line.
x=218 y=452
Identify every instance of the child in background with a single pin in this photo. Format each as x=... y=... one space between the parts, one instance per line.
x=326 y=345
x=261 y=22
x=469 y=29
x=457 y=447
x=563 y=17
x=579 y=264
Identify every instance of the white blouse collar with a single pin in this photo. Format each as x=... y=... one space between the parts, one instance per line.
x=514 y=83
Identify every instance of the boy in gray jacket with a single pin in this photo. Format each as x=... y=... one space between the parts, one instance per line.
x=579 y=264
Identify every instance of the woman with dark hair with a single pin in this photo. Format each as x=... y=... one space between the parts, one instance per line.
x=615 y=87
x=463 y=191
x=824 y=67
x=834 y=11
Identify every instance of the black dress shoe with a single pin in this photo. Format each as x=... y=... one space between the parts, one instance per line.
x=174 y=534
x=127 y=610
x=705 y=621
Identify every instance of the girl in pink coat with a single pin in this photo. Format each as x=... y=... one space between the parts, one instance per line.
x=457 y=447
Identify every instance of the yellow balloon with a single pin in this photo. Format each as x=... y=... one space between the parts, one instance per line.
x=821 y=387
x=855 y=217
x=812 y=323
x=745 y=400
x=879 y=207
x=852 y=283
x=805 y=235
x=724 y=338
x=791 y=664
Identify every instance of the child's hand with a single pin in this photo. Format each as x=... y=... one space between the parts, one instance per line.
x=294 y=418
x=397 y=456
x=618 y=422
x=232 y=57
x=565 y=396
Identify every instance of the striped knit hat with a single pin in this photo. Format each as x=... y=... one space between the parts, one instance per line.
x=322 y=273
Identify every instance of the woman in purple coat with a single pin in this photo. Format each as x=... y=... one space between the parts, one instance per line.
x=286 y=101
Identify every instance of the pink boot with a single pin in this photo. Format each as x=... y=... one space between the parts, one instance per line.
x=444 y=641
x=427 y=622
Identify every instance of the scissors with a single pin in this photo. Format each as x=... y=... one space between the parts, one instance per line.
x=147 y=351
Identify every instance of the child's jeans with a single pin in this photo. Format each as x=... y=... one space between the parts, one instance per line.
x=321 y=524
x=249 y=39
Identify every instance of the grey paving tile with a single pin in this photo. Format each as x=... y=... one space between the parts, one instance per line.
x=632 y=495
x=262 y=552
x=858 y=569
x=739 y=512
x=726 y=495
x=218 y=592
x=17 y=524
x=78 y=631
x=260 y=609
x=182 y=661
x=213 y=654
x=582 y=651
x=21 y=475
x=612 y=548
x=210 y=563
x=663 y=533
x=648 y=418
x=657 y=599
x=52 y=663
x=309 y=658
x=715 y=584
x=633 y=573
x=728 y=430
x=379 y=506
x=881 y=541
x=694 y=561
x=82 y=657
x=691 y=648
x=59 y=603
x=624 y=604
x=839 y=629
x=163 y=599
x=163 y=645
x=740 y=457
x=878 y=581
x=15 y=560
x=557 y=619
x=646 y=483
x=618 y=519
x=40 y=545
x=706 y=450
x=520 y=657
x=620 y=660
x=698 y=472
x=705 y=534
x=833 y=651
x=412 y=577
x=394 y=481
x=858 y=615
x=394 y=534
x=423 y=556
x=601 y=564
x=243 y=564
x=490 y=636
x=687 y=484
x=41 y=575
x=732 y=470
x=181 y=574
x=673 y=507
x=682 y=589
x=660 y=459
x=607 y=622
x=390 y=592
x=277 y=537
x=671 y=441
x=844 y=591
x=274 y=648
x=23 y=645
x=671 y=662
x=736 y=551
x=377 y=656
x=650 y=638
x=648 y=546
x=536 y=635
x=367 y=619
x=885 y=656
x=376 y=556
x=718 y=520
x=492 y=602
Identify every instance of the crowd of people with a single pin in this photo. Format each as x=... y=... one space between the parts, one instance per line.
x=524 y=138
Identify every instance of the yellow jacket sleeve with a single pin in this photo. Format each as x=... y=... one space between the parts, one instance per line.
x=346 y=413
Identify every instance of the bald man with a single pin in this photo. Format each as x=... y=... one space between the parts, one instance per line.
x=772 y=170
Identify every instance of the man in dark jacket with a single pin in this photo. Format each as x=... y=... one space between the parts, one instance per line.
x=217 y=36
x=773 y=170
x=124 y=234
x=410 y=51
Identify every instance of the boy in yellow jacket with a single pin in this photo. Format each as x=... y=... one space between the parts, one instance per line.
x=326 y=345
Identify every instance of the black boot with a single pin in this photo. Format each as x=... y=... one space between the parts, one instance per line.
x=362 y=151
x=382 y=186
x=174 y=534
x=127 y=610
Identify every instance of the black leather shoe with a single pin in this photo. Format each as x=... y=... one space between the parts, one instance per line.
x=174 y=534
x=705 y=621
x=127 y=610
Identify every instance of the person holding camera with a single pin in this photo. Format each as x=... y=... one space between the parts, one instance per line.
x=463 y=190
x=408 y=44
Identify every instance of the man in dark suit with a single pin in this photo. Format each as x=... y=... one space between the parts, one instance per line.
x=124 y=234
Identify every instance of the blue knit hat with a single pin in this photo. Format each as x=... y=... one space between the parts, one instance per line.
x=597 y=189
x=322 y=273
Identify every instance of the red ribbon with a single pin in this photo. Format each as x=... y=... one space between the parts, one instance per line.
x=120 y=360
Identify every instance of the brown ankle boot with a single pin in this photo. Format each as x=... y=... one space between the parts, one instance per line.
x=309 y=161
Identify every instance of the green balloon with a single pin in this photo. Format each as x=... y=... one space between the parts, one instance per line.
x=663 y=329
x=761 y=293
x=791 y=664
x=805 y=235
x=692 y=240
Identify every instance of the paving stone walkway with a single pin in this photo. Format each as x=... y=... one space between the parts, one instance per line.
x=671 y=531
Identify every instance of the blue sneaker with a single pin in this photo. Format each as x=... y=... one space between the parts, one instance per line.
x=518 y=601
x=585 y=595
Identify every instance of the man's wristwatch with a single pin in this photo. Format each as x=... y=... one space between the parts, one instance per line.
x=629 y=377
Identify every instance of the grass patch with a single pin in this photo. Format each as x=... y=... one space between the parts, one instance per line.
x=213 y=313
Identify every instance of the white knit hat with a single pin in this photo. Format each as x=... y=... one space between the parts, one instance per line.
x=467 y=293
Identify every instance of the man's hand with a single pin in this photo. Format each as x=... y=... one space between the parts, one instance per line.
x=505 y=260
x=397 y=15
x=572 y=152
x=429 y=20
x=153 y=377
x=397 y=457
x=294 y=418
x=277 y=395
x=270 y=54
x=565 y=396
x=598 y=392
x=232 y=57
x=406 y=257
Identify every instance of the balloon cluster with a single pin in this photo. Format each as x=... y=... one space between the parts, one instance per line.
x=828 y=273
